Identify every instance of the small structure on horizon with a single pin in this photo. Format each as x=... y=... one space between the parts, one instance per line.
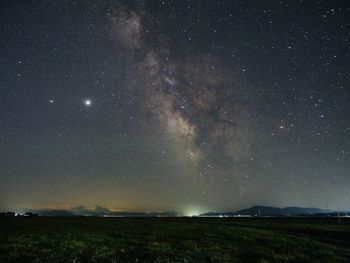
x=31 y=214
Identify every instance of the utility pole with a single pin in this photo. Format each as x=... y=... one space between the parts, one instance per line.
x=327 y=208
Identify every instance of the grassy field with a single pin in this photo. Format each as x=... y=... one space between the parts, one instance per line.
x=174 y=240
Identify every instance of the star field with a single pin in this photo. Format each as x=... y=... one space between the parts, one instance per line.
x=166 y=105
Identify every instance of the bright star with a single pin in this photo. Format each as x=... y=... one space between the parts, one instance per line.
x=87 y=102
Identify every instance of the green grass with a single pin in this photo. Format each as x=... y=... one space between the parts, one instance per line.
x=174 y=240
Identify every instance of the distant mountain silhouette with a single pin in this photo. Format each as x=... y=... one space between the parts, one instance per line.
x=272 y=211
x=99 y=211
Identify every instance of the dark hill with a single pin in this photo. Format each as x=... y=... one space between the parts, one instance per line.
x=272 y=211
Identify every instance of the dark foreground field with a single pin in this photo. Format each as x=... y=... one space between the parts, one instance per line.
x=174 y=240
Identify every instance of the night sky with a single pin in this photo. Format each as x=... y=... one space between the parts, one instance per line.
x=183 y=106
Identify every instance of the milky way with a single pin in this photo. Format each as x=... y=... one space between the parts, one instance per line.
x=192 y=101
x=162 y=105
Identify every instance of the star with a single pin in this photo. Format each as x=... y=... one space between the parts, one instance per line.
x=87 y=102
